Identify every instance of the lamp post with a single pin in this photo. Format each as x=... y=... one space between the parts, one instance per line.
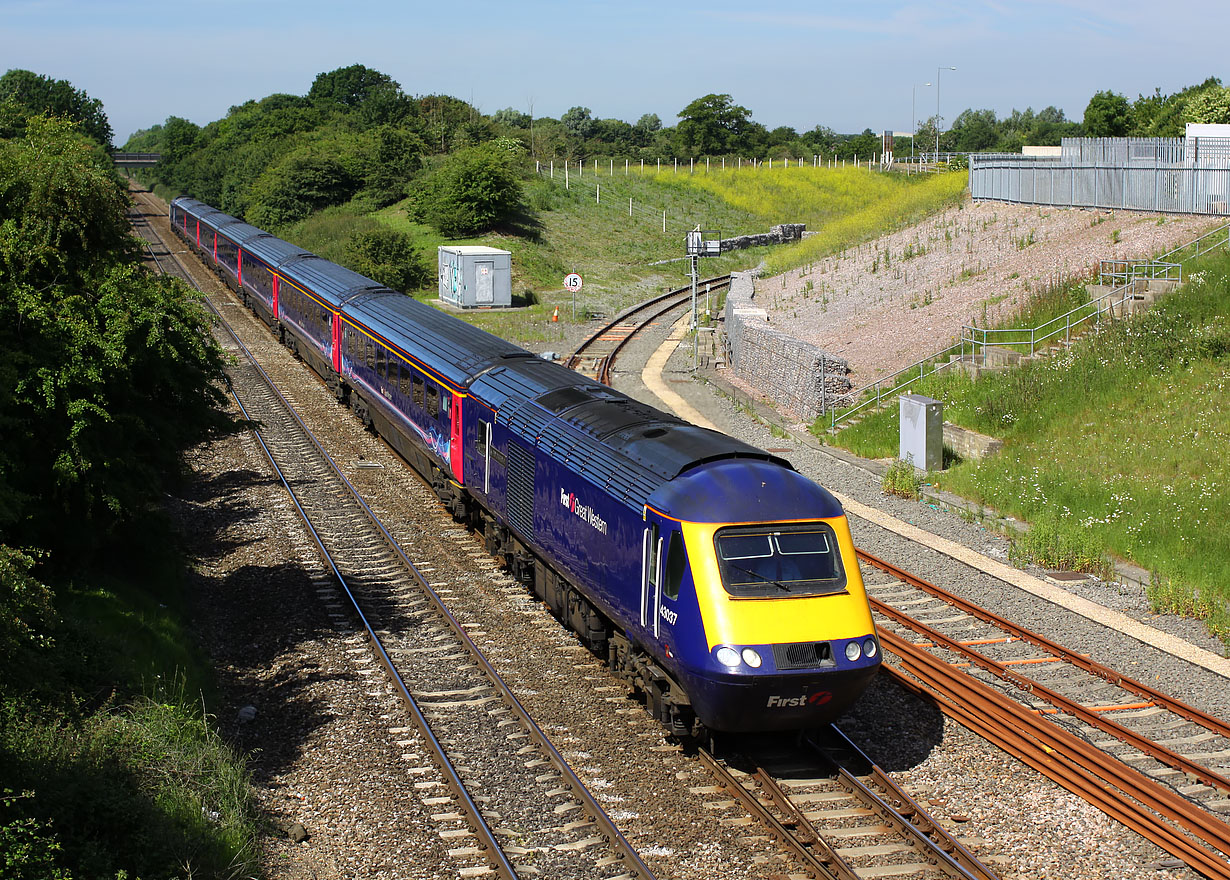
x=937 y=110
x=914 y=115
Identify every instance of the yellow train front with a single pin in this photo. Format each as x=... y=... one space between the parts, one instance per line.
x=755 y=597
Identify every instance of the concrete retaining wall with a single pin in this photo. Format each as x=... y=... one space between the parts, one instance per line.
x=970 y=444
x=795 y=374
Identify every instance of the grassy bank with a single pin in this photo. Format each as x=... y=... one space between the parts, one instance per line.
x=609 y=228
x=1116 y=447
x=109 y=766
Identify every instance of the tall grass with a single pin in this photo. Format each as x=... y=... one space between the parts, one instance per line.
x=1121 y=441
x=843 y=206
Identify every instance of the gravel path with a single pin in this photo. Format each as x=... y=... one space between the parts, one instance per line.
x=969 y=263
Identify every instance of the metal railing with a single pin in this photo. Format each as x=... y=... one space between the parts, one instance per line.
x=978 y=341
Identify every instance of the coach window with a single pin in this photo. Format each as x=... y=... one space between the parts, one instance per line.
x=418 y=390
x=676 y=562
x=480 y=439
x=433 y=401
x=446 y=402
x=403 y=379
x=380 y=361
x=370 y=354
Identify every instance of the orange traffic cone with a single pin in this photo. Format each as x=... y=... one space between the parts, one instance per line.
x=555 y=316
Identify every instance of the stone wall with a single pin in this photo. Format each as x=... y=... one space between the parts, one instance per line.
x=791 y=372
x=776 y=235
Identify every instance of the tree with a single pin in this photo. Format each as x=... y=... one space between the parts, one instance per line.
x=579 y=122
x=35 y=95
x=471 y=191
x=350 y=86
x=109 y=373
x=302 y=182
x=975 y=130
x=1211 y=107
x=512 y=118
x=1108 y=114
x=711 y=125
x=649 y=123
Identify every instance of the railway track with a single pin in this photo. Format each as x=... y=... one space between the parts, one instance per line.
x=1157 y=765
x=840 y=814
x=1195 y=769
x=1152 y=762
x=596 y=355
x=504 y=798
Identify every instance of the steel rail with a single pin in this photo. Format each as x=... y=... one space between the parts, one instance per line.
x=947 y=852
x=1104 y=672
x=574 y=359
x=594 y=811
x=1083 y=769
x=826 y=863
x=1058 y=700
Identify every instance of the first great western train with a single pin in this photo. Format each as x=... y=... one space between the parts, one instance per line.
x=717 y=579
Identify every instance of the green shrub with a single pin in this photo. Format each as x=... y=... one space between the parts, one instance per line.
x=471 y=191
x=902 y=479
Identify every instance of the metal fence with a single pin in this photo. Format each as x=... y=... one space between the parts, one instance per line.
x=1170 y=175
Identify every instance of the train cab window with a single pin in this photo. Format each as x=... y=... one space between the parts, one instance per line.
x=760 y=561
x=418 y=390
x=433 y=401
x=676 y=563
x=655 y=548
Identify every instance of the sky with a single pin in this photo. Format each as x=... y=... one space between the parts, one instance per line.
x=848 y=66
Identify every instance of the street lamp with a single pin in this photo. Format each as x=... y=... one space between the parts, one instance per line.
x=914 y=115
x=937 y=110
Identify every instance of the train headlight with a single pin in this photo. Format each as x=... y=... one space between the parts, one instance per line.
x=870 y=648
x=751 y=658
x=728 y=656
x=853 y=651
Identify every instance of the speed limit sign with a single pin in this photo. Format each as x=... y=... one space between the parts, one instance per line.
x=572 y=282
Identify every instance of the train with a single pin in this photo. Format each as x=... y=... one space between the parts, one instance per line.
x=710 y=574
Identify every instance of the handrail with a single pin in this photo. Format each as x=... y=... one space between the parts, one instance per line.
x=1095 y=308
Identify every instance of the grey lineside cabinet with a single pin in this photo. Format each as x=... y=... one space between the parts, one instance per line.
x=474 y=277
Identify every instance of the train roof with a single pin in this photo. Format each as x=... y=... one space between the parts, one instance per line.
x=767 y=493
x=273 y=251
x=333 y=283
x=451 y=348
x=622 y=444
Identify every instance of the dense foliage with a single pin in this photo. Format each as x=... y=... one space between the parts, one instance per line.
x=108 y=374
x=24 y=94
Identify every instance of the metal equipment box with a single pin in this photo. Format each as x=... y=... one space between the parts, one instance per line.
x=922 y=432
x=474 y=277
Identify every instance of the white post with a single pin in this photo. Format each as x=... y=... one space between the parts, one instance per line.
x=565 y=175
x=659 y=164
x=691 y=165
x=598 y=193
x=553 y=169
x=612 y=166
x=580 y=168
x=663 y=221
x=676 y=171
x=706 y=164
x=629 y=206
